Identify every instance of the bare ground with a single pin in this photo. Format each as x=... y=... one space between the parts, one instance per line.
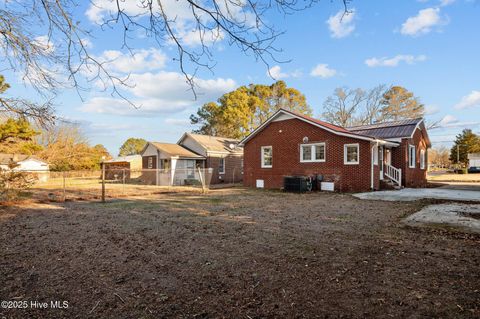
x=235 y=254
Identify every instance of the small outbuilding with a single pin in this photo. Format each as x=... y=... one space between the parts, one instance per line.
x=123 y=167
x=25 y=163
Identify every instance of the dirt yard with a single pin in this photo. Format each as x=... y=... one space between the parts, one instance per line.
x=235 y=254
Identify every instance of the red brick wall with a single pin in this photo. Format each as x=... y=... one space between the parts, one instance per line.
x=411 y=177
x=414 y=177
x=233 y=169
x=285 y=137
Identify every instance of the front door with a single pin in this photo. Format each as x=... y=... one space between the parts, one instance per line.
x=380 y=161
x=388 y=155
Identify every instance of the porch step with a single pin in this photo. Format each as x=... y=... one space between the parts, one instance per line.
x=388 y=184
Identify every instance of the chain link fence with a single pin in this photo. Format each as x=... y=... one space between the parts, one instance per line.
x=117 y=183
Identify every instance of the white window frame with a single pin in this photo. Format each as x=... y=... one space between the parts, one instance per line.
x=312 y=150
x=222 y=171
x=150 y=162
x=412 y=159
x=345 y=157
x=262 y=156
x=422 y=159
x=375 y=154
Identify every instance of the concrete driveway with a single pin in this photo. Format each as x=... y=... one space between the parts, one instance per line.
x=456 y=192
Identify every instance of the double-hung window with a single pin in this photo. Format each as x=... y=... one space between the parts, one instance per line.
x=221 y=165
x=411 y=156
x=267 y=156
x=351 y=154
x=312 y=152
x=422 y=159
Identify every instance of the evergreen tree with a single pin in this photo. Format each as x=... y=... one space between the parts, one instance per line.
x=465 y=143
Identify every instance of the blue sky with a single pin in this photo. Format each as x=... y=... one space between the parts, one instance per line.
x=430 y=47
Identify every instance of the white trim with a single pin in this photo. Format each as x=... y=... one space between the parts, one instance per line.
x=262 y=154
x=313 y=153
x=422 y=159
x=414 y=158
x=221 y=172
x=258 y=129
x=345 y=146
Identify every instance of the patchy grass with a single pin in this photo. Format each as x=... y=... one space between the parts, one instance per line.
x=235 y=253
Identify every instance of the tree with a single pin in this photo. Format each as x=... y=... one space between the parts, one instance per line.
x=465 y=143
x=236 y=114
x=46 y=42
x=398 y=104
x=439 y=157
x=348 y=107
x=132 y=146
x=17 y=136
x=341 y=107
x=16 y=107
x=66 y=148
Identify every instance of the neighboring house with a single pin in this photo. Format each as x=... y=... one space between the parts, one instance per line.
x=223 y=155
x=473 y=160
x=123 y=167
x=25 y=163
x=347 y=159
x=169 y=164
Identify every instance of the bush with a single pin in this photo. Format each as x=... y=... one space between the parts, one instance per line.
x=461 y=171
x=13 y=182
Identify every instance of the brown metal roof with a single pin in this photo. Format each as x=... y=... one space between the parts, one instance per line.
x=175 y=150
x=216 y=143
x=394 y=129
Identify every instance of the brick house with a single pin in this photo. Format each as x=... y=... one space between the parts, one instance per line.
x=347 y=159
x=223 y=156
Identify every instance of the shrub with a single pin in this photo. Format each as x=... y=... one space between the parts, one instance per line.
x=13 y=182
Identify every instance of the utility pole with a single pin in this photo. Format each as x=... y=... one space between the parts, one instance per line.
x=103 y=178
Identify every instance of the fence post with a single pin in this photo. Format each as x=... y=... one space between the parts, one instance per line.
x=233 y=176
x=64 y=188
x=123 y=181
x=202 y=180
x=103 y=182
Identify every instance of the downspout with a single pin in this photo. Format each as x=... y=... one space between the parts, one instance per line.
x=372 y=166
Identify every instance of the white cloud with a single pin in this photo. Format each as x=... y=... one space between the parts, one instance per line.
x=450 y=121
x=177 y=122
x=431 y=109
x=323 y=71
x=445 y=3
x=138 y=61
x=185 y=26
x=86 y=43
x=341 y=24
x=395 y=61
x=423 y=22
x=276 y=72
x=160 y=93
x=44 y=43
x=469 y=101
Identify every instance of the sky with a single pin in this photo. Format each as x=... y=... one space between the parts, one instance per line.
x=431 y=47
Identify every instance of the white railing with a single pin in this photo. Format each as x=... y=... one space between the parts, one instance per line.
x=395 y=174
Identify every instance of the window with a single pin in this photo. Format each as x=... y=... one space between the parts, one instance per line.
x=375 y=154
x=422 y=159
x=351 y=154
x=411 y=156
x=312 y=152
x=150 y=162
x=267 y=157
x=190 y=168
x=221 y=166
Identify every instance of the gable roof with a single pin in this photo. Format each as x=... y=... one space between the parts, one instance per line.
x=217 y=144
x=128 y=158
x=174 y=150
x=332 y=128
x=6 y=159
x=393 y=129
